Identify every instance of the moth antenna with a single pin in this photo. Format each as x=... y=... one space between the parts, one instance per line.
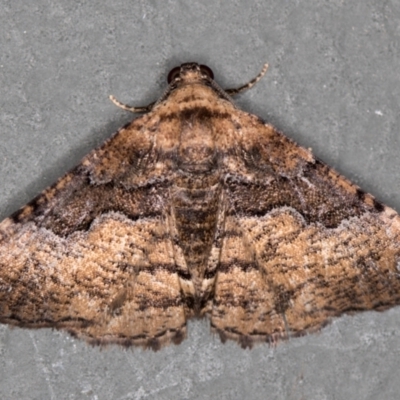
x=248 y=85
x=125 y=107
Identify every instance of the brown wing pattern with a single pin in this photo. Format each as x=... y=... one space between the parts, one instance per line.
x=94 y=254
x=321 y=246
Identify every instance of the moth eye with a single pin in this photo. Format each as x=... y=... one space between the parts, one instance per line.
x=207 y=70
x=173 y=74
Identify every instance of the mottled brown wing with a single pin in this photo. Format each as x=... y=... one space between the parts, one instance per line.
x=94 y=254
x=302 y=244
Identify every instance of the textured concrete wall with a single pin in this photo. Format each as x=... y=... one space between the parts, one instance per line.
x=333 y=85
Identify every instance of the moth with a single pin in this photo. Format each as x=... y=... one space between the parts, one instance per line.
x=197 y=209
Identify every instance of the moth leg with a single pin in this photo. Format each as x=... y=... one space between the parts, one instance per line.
x=248 y=85
x=125 y=107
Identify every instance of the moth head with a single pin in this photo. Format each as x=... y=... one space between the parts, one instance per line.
x=190 y=73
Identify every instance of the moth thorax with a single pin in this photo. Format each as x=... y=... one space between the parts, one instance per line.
x=196 y=152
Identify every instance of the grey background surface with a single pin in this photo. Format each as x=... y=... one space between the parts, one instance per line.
x=333 y=85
